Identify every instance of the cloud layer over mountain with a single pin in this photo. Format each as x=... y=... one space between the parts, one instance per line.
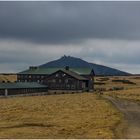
x=32 y=33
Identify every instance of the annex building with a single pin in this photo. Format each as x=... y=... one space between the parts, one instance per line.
x=22 y=88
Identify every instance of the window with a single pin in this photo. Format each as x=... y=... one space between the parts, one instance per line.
x=38 y=76
x=68 y=86
x=66 y=81
x=83 y=85
x=64 y=75
x=60 y=80
x=53 y=80
x=33 y=77
x=57 y=75
x=72 y=86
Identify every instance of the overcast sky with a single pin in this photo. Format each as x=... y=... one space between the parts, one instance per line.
x=33 y=33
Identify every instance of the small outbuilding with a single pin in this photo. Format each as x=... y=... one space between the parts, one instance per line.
x=21 y=88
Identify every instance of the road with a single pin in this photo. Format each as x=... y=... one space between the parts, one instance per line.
x=131 y=111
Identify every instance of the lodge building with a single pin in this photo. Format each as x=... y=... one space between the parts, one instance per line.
x=60 y=79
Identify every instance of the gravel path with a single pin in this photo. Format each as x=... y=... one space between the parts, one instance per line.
x=131 y=110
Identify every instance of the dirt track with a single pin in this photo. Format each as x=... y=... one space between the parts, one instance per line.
x=131 y=110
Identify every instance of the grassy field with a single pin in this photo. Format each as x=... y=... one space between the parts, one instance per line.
x=129 y=94
x=125 y=87
x=83 y=115
x=58 y=116
x=8 y=78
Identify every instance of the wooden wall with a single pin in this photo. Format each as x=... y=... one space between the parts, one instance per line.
x=63 y=81
x=22 y=91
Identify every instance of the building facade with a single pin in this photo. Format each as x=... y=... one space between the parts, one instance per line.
x=77 y=79
x=65 y=80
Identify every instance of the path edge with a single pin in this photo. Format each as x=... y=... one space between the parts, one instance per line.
x=120 y=128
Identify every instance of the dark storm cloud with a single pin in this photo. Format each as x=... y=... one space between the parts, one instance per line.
x=33 y=33
x=67 y=22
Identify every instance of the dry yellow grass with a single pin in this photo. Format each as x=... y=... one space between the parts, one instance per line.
x=109 y=84
x=129 y=94
x=130 y=91
x=8 y=77
x=58 y=116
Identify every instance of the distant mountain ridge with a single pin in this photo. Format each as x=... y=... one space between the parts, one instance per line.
x=74 y=62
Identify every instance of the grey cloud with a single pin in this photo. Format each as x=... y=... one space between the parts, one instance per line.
x=69 y=22
x=17 y=56
x=33 y=33
x=112 y=51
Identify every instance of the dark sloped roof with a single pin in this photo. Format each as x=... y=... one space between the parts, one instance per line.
x=81 y=71
x=40 y=71
x=20 y=85
x=73 y=74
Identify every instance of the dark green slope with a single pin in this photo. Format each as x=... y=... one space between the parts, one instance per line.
x=74 y=62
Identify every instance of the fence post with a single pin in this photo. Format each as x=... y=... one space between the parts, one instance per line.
x=6 y=92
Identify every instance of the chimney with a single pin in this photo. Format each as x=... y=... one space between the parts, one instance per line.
x=67 y=68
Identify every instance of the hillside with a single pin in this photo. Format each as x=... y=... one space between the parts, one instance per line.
x=77 y=62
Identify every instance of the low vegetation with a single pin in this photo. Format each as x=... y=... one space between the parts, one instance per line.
x=125 y=87
x=129 y=94
x=103 y=79
x=58 y=116
x=124 y=81
x=99 y=83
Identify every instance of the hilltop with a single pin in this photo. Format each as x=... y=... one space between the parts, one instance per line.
x=77 y=62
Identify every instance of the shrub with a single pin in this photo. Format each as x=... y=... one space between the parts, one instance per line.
x=100 y=89
x=103 y=79
x=99 y=83
x=124 y=81
x=118 y=88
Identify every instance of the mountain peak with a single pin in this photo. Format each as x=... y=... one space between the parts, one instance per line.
x=74 y=62
x=68 y=57
x=67 y=61
x=65 y=57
